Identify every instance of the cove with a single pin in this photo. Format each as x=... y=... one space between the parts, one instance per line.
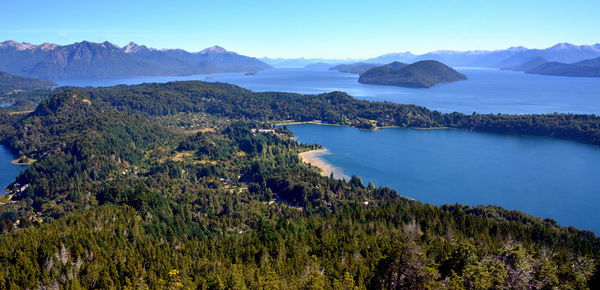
x=540 y=176
x=8 y=171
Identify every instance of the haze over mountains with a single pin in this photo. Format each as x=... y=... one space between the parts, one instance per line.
x=513 y=56
x=98 y=60
x=106 y=60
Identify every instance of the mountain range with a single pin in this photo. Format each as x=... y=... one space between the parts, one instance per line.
x=513 y=56
x=585 y=68
x=98 y=60
x=562 y=52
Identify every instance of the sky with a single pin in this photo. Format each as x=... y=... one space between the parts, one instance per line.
x=290 y=28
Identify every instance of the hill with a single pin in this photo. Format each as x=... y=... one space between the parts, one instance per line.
x=100 y=60
x=534 y=62
x=421 y=74
x=585 y=68
x=10 y=83
x=354 y=68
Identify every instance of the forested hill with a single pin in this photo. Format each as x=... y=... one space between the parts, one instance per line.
x=421 y=74
x=12 y=84
x=122 y=197
x=229 y=101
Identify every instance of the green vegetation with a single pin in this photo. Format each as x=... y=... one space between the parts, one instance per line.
x=192 y=101
x=354 y=68
x=10 y=84
x=125 y=194
x=421 y=74
x=585 y=68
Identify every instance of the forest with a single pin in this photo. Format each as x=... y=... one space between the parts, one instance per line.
x=232 y=102
x=173 y=186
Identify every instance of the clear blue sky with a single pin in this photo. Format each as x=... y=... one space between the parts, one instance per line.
x=325 y=28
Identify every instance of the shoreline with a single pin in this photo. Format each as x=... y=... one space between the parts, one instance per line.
x=317 y=122
x=312 y=157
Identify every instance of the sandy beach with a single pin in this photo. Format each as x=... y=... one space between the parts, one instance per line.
x=312 y=157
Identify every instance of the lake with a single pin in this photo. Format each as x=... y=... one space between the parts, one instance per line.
x=540 y=176
x=8 y=171
x=486 y=90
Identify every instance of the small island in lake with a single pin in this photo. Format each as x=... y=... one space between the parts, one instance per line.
x=421 y=74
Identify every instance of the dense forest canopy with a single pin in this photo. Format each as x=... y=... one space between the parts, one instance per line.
x=13 y=84
x=229 y=101
x=175 y=186
x=421 y=74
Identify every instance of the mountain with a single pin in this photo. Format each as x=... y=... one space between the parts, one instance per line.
x=421 y=74
x=318 y=65
x=393 y=57
x=301 y=62
x=99 y=60
x=585 y=68
x=513 y=56
x=10 y=83
x=475 y=58
x=355 y=68
x=562 y=52
x=534 y=62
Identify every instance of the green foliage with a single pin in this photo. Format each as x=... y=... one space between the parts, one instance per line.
x=421 y=74
x=116 y=200
x=232 y=102
x=13 y=84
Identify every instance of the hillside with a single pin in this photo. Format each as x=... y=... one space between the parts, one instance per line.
x=102 y=60
x=421 y=74
x=122 y=196
x=534 y=62
x=354 y=68
x=585 y=68
x=10 y=83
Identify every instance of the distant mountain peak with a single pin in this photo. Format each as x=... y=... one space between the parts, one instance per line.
x=133 y=47
x=47 y=46
x=517 y=48
x=17 y=45
x=213 y=49
x=563 y=45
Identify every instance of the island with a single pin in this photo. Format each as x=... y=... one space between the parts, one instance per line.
x=421 y=74
x=354 y=68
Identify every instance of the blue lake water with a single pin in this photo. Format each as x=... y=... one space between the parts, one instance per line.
x=8 y=171
x=486 y=90
x=541 y=176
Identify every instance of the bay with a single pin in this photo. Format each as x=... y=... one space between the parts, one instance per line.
x=8 y=171
x=541 y=176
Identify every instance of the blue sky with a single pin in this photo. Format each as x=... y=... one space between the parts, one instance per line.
x=325 y=28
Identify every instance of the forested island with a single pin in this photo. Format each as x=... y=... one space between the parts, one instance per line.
x=354 y=68
x=421 y=74
x=187 y=184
